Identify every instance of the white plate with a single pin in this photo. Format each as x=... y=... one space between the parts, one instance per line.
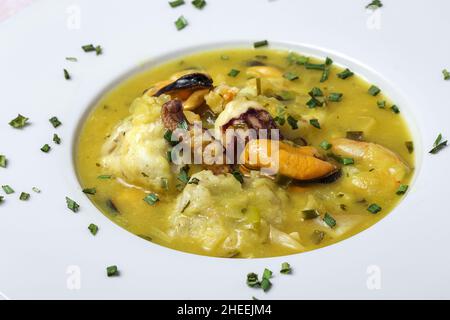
x=46 y=251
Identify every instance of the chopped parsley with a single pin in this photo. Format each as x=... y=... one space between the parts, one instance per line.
x=176 y=3
x=112 y=271
x=91 y=191
x=259 y=44
x=402 y=189
x=438 y=145
x=55 y=122
x=291 y=76
x=234 y=73
x=24 y=196
x=315 y=123
x=345 y=74
x=3 y=161
x=151 y=199
x=93 y=228
x=56 y=139
x=329 y=220
x=72 y=205
x=285 y=268
x=292 y=122
x=19 y=122
x=45 y=148
x=374 y=90
x=374 y=208
x=181 y=23
x=7 y=189
x=199 y=4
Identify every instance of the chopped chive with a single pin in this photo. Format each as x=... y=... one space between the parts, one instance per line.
x=66 y=74
x=335 y=97
x=258 y=87
x=112 y=271
x=343 y=207
x=329 y=220
x=93 y=228
x=37 y=190
x=316 y=92
x=183 y=176
x=310 y=214
x=252 y=280
x=281 y=120
x=315 y=123
x=55 y=122
x=292 y=122
x=325 y=145
x=410 y=146
x=176 y=3
x=286 y=95
x=317 y=236
x=345 y=74
x=194 y=181
x=438 y=145
x=19 y=122
x=381 y=104
x=313 y=103
x=3 y=161
x=88 y=48
x=7 y=189
x=91 y=191
x=265 y=282
x=314 y=66
x=183 y=125
x=181 y=23
x=104 y=177
x=375 y=4
x=45 y=148
x=325 y=75
x=72 y=59
x=234 y=73
x=291 y=76
x=294 y=58
x=374 y=208
x=56 y=139
x=374 y=90
x=355 y=135
x=112 y=207
x=199 y=4
x=259 y=44
x=98 y=50
x=347 y=161
x=72 y=205
x=285 y=268
x=402 y=189
x=24 y=196
x=446 y=74
x=2 y=198
x=238 y=176
x=151 y=199
x=395 y=109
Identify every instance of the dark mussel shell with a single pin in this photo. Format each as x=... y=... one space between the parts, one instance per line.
x=192 y=81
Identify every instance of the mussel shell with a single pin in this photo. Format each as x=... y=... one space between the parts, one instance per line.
x=191 y=81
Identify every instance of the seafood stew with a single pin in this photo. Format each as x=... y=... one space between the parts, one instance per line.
x=315 y=153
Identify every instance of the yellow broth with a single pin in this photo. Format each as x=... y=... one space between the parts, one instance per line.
x=357 y=111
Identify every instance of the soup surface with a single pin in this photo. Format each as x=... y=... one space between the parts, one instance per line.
x=344 y=154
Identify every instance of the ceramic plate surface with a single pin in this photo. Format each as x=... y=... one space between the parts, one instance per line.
x=47 y=252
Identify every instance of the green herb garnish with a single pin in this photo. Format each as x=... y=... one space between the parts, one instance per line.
x=446 y=74
x=55 y=122
x=438 y=145
x=199 y=4
x=374 y=90
x=151 y=199
x=316 y=92
x=345 y=74
x=104 y=177
x=176 y=3
x=285 y=268
x=294 y=58
x=402 y=189
x=335 y=97
x=325 y=145
x=292 y=122
x=234 y=73
x=19 y=122
x=3 y=161
x=317 y=236
x=7 y=189
x=315 y=66
x=2 y=198
x=310 y=214
x=259 y=44
x=315 y=123
x=291 y=76
x=112 y=271
x=93 y=228
x=45 y=148
x=395 y=109
x=183 y=176
x=375 y=4
x=329 y=220
x=194 y=181
x=112 y=207
x=56 y=139
x=313 y=103
x=72 y=205
x=374 y=208
x=36 y=190
x=72 y=59
x=24 y=196
x=181 y=23
x=410 y=146
x=67 y=75
x=238 y=176
x=252 y=280
x=88 y=48
x=381 y=104
x=265 y=282
x=91 y=191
